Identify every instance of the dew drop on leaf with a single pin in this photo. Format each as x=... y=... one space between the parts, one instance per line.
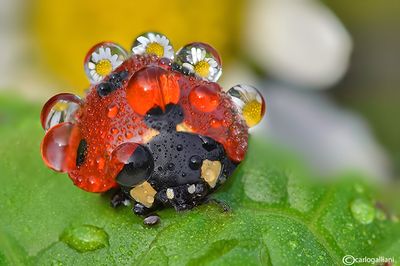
x=85 y=238
x=362 y=210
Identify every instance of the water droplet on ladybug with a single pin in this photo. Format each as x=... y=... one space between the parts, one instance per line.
x=102 y=59
x=128 y=135
x=205 y=98
x=200 y=59
x=100 y=163
x=153 y=43
x=114 y=130
x=152 y=87
x=195 y=162
x=112 y=110
x=249 y=102
x=58 y=109
x=59 y=147
x=171 y=166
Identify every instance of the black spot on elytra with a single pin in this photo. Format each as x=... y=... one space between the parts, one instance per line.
x=166 y=120
x=138 y=168
x=81 y=152
x=114 y=82
x=105 y=88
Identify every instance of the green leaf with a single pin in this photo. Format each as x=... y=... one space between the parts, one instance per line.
x=280 y=216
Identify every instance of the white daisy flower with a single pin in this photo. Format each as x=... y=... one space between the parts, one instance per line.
x=202 y=65
x=153 y=43
x=102 y=63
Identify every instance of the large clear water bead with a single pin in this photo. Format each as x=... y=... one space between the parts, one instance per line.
x=102 y=59
x=59 y=109
x=201 y=60
x=250 y=103
x=153 y=43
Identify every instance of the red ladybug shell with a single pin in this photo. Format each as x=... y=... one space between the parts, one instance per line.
x=117 y=118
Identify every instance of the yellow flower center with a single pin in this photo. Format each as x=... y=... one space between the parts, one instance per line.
x=202 y=69
x=60 y=106
x=103 y=67
x=252 y=113
x=155 y=48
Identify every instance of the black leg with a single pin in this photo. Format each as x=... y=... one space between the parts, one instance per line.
x=140 y=209
x=119 y=199
x=223 y=205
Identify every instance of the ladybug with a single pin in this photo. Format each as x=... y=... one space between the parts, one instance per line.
x=154 y=125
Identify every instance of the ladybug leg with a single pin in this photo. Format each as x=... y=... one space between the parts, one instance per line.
x=149 y=217
x=222 y=204
x=119 y=198
x=141 y=210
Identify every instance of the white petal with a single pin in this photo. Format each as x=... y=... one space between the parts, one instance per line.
x=108 y=52
x=117 y=64
x=164 y=41
x=212 y=62
x=194 y=55
x=143 y=40
x=168 y=53
x=139 y=49
x=158 y=38
x=95 y=57
x=188 y=66
x=198 y=55
x=202 y=55
x=113 y=58
x=152 y=37
x=91 y=65
x=102 y=53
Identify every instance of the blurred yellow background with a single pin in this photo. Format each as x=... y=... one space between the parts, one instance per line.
x=65 y=30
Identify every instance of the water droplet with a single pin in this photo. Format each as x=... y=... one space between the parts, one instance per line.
x=100 y=163
x=362 y=210
x=112 y=110
x=200 y=59
x=58 y=109
x=153 y=43
x=249 y=102
x=171 y=166
x=205 y=98
x=85 y=238
x=59 y=147
x=128 y=135
x=195 y=162
x=102 y=59
x=179 y=147
x=152 y=86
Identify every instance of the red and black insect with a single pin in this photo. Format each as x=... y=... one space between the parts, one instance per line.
x=155 y=126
